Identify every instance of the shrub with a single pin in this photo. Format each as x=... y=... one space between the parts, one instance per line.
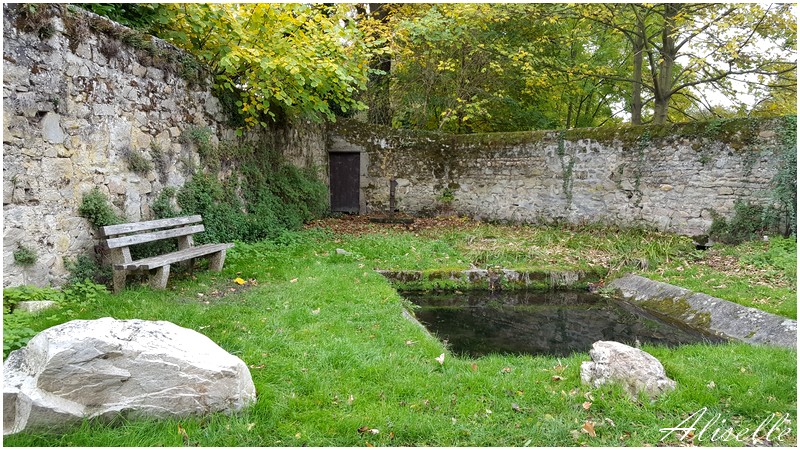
x=266 y=198
x=96 y=208
x=747 y=223
x=74 y=299
x=137 y=163
x=13 y=295
x=85 y=267
x=16 y=332
x=162 y=206
x=25 y=256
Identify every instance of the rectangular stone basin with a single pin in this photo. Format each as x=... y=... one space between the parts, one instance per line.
x=480 y=322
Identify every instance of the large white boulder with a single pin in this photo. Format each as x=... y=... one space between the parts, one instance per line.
x=635 y=370
x=106 y=367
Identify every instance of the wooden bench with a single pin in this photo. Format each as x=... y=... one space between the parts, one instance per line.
x=119 y=239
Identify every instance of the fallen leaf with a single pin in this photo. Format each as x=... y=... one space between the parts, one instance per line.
x=369 y=445
x=183 y=434
x=410 y=342
x=239 y=281
x=711 y=384
x=610 y=422
x=516 y=407
x=506 y=370
x=293 y=280
x=373 y=430
x=588 y=427
x=391 y=435
x=250 y=426
x=315 y=311
x=556 y=378
x=363 y=429
x=297 y=435
x=440 y=359
x=587 y=405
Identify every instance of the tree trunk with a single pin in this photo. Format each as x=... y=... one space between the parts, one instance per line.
x=636 y=90
x=666 y=65
x=379 y=100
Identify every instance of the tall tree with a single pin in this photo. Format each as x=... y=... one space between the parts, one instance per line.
x=686 y=46
x=293 y=59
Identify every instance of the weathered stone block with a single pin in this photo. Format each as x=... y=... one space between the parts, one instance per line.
x=106 y=368
x=637 y=371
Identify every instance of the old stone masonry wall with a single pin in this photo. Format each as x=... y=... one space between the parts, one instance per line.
x=669 y=177
x=80 y=107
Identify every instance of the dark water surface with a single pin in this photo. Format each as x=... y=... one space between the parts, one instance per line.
x=480 y=322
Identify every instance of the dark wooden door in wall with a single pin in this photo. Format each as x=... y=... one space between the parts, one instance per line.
x=345 y=179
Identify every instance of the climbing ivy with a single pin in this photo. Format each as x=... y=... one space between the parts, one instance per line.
x=566 y=168
x=262 y=197
x=643 y=142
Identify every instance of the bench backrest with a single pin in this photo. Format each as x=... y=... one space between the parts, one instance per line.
x=126 y=234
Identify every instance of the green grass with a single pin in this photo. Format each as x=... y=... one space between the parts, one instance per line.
x=330 y=352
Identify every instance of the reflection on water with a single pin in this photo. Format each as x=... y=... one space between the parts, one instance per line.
x=480 y=322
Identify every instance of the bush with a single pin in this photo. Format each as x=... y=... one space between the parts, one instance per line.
x=74 y=299
x=16 y=332
x=137 y=163
x=85 y=267
x=267 y=198
x=13 y=295
x=96 y=208
x=162 y=207
x=749 y=222
x=24 y=256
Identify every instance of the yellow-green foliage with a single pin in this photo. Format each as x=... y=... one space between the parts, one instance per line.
x=295 y=59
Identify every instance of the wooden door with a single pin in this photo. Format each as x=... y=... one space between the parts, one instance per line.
x=345 y=170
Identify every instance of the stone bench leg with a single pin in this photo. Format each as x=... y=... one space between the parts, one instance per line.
x=158 y=279
x=119 y=280
x=216 y=261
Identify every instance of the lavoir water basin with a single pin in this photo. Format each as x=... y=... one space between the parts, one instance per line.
x=479 y=322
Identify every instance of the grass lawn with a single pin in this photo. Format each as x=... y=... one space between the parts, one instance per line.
x=331 y=354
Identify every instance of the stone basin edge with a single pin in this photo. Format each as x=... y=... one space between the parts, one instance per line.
x=706 y=313
x=494 y=279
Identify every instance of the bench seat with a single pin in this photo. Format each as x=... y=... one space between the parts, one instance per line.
x=170 y=258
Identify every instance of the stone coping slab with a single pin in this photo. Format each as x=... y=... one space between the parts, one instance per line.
x=707 y=313
x=494 y=279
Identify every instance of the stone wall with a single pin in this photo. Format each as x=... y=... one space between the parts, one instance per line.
x=668 y=177
x=78 y=105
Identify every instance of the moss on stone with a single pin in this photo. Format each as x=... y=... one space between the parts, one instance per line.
x=679 y=310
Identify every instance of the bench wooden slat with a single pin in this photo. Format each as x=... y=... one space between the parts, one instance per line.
x=112 y=230
x=170 y=258
x=142 y=238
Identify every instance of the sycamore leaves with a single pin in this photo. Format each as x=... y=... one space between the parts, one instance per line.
x=297 y=59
